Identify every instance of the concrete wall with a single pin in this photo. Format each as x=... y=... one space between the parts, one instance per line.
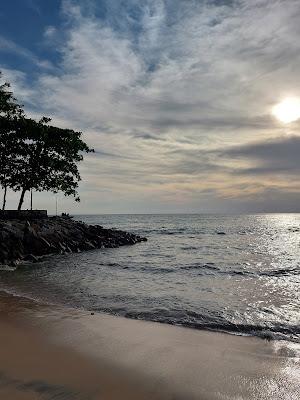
x=23 y=214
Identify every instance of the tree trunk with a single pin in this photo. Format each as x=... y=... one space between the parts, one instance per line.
x=4 y=198
x=21 y=198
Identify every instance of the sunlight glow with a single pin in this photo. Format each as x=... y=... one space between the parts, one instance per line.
x=287 y=110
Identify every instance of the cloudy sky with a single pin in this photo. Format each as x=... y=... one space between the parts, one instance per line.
x=176 y=97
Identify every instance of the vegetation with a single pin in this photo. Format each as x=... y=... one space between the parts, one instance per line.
x=35 y=155
x=10 y=113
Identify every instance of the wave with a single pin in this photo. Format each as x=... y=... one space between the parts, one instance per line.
x=187 y=318
x=209 y=268
x=203 y=322
x=183 y=230
x=271 y=273
x=242 y=272
x=200 y=267
x=165 y=231
x=281 y=272
x=157 y=270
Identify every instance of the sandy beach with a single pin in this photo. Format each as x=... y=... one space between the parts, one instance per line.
x=50 y=352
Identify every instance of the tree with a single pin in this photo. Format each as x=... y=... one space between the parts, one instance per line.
x=48 y=158
x=8 y=104
x=35 y=155
x=10 y=113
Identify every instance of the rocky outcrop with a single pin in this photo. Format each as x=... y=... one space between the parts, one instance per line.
x=27 y=241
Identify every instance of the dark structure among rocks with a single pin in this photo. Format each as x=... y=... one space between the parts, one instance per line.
x=23 y=214
x=27 y=240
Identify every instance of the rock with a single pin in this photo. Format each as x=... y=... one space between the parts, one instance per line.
x=15 y=263
x=55 y=235
x=62 y=247
x=31 y=257
x=88 y=246
x=29 y=230
x=45 y=242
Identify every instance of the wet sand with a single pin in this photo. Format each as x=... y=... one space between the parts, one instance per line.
x=50 y=352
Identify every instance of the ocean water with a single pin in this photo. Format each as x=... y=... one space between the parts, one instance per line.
x=239 y=274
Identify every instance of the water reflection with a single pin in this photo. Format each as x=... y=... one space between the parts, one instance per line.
x=246 y=280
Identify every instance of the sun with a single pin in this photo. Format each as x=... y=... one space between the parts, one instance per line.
x=288 y=110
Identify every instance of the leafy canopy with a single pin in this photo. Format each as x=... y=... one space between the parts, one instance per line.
x=10 y=113
x=49 y=157
x=36 y=155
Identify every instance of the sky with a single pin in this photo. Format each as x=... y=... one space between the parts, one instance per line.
x=175 y=96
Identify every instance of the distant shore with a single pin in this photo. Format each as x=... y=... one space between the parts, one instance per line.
x=55 y=352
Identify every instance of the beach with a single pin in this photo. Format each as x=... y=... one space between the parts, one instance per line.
x=52 y=352
x=149 y=200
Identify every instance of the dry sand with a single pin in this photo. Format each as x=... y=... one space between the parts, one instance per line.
x=50 y=352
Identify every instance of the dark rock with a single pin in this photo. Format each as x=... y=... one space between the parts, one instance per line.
x=31 y=257
x=26 y=240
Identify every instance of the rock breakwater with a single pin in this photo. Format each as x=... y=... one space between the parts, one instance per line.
x=29 y=240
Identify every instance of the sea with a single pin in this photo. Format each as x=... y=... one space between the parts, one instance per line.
x=238 y=274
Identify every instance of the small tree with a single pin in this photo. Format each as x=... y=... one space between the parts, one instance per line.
x=48 y=158
x=10 y=113
x=36 y=155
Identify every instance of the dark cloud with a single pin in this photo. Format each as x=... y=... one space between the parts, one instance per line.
x=147 y=136
x=191 y=162
x=215 y=122
x=280 y=155
x=269 y=200
x=190 y=167
x=102 y=153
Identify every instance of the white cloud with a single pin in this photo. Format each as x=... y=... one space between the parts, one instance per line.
x=49 y=32
x=162 y=88
x=17 y=79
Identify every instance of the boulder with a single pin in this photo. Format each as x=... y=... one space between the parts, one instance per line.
x=55 y=235
x=31 y=258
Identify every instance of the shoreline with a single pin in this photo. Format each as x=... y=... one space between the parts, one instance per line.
x=267 y=336
x=56 y=351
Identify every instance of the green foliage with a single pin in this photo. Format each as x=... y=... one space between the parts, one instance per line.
x=49 y=157
x=36 y=155
x=10 y=113
x=9 y=108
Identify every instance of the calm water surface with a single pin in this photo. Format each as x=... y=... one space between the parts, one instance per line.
x=239 y=274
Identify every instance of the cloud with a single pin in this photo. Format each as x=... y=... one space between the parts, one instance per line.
x=17 y=79
x=32 y=4
x=158 y=88
x=9 y=46
x=274 y=156
x=50 y=32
